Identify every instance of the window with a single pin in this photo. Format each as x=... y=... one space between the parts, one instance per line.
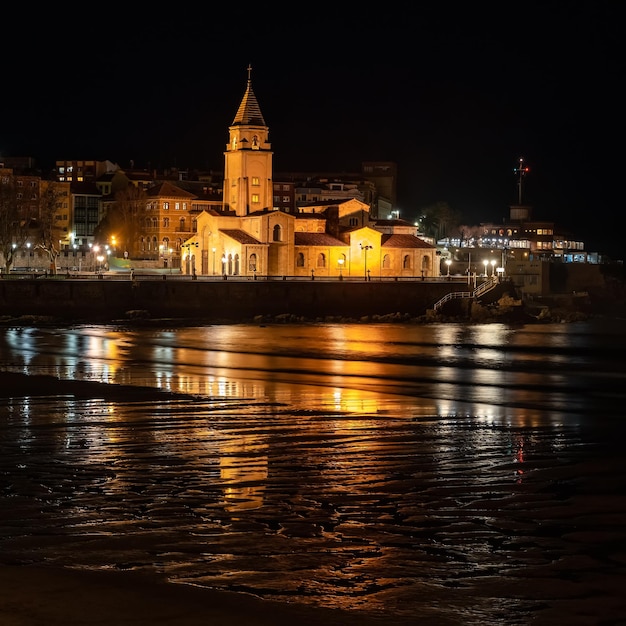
x=285 y=199
x=166 y=206
x=300 y=260
x=255 y=198
x=277 y=233
x=166 y=222
x=276 y=199
x=285 y=187
x=177 y=206
x=386 y=262
x=252 y=263
x=406 y=262
x=255 y=181
x=321 y=260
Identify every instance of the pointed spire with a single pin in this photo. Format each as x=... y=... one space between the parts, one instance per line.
x=249 y=111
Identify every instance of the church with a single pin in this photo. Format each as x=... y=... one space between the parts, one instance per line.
x=248 y=237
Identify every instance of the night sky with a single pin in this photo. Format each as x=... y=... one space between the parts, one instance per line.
x=455 y=95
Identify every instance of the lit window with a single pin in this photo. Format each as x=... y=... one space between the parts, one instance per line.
x=255 y=198
x=255 y=181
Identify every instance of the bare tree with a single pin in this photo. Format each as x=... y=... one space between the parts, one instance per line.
x=125 y=219
x=14 y=219
x=45 y=229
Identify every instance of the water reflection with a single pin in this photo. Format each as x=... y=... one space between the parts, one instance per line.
x=437 y=472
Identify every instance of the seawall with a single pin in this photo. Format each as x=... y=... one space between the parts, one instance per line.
x=229 y=300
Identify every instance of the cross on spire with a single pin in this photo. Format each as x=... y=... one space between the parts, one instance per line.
x=249 y=72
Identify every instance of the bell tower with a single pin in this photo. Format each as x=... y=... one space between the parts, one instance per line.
x=248 y=159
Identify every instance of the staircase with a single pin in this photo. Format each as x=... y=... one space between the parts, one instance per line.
x=482 y=289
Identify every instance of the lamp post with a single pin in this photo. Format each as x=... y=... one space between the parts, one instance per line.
x=28 y=253
x=448 y=263
x=224 y=259
x=170 y=251
x=493 y=267
x=213 y=249
x=341 y=262
x=485 y=263
x=365 y=249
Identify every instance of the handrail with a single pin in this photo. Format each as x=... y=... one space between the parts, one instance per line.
x=482 y=289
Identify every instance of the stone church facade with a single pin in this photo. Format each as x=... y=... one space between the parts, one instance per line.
x=332 y=239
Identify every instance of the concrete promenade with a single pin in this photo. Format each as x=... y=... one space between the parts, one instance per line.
x=110 y=297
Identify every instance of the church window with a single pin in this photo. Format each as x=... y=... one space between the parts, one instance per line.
x=277 y=233
x=386 y=262
x=321 y=260
x=406 y=262
x=252 y=263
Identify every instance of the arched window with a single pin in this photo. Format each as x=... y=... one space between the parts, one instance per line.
x=300 y=260
x=406 y=262
x=277 y=233
x=321 y=260
x=425 y=263
x=386 y=262
x=236 y=269
x=252 y=262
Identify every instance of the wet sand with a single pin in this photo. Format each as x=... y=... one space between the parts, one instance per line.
x=39 y=596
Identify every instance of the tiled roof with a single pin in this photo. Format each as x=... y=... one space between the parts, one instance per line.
x=168 y=190
x=240 y=236
x=404 y=241
x=249 y=111
x=317 y=239
x=335 y=202
x=308 y=216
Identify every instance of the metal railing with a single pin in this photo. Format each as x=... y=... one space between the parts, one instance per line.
x=482 y=289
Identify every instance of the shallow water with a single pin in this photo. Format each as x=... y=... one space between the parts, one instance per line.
x=452 y=473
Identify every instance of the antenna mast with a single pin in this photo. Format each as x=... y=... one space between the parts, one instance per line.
x=521 y=171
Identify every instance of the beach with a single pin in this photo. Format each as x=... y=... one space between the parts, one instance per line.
x=41 y=596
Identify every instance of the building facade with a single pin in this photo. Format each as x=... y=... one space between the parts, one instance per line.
x=333 y=237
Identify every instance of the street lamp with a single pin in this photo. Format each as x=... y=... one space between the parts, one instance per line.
x=213 y=261
x=224 y=259
x=448 y=263
x=485 y=263
x=493 y=266
x=170 y=251
x=365 y=249
x=341 y=262
x=28 y=252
